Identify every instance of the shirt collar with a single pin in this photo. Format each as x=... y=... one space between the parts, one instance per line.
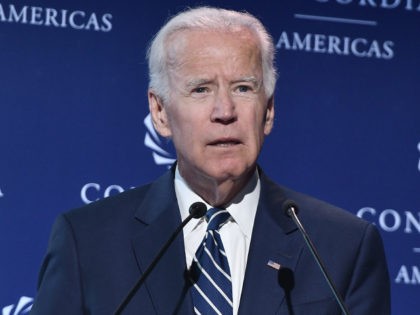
x=242 y=208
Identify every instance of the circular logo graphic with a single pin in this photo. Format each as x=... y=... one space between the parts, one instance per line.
x=162 y=148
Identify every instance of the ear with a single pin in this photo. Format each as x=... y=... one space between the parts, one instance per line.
x=159 y=115
x=269 y=116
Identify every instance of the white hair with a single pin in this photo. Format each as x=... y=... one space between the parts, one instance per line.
x=209 y=19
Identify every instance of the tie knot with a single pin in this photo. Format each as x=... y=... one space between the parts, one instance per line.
x=216 y=217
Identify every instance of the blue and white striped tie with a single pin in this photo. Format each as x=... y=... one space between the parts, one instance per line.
x=212 y=285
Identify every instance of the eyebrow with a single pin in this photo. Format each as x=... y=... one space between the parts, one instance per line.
x=197 y=82
x=250 y=79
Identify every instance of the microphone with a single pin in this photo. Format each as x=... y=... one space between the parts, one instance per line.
x=290 y=208
x=197 y=210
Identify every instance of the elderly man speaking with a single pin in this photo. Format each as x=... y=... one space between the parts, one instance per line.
x=212 y=80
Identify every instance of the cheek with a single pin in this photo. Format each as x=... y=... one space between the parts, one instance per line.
x=184 y=130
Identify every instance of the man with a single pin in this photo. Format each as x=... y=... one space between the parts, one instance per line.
x=211 y=91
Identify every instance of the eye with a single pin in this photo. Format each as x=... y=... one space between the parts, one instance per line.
x=200 y=89
x=243 y=88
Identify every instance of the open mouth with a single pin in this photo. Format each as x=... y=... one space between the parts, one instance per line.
x=225 y=142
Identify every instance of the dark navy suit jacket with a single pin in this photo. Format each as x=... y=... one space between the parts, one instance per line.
x=96 y=254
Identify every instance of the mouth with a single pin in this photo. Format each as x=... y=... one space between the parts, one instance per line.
x=226 y=142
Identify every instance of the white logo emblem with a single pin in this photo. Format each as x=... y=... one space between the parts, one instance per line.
x=1 y=194
x=23 y=307
x=160 y=146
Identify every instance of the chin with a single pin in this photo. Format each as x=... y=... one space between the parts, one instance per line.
x=230 y=171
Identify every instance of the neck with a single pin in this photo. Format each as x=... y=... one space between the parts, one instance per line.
x=217 y=193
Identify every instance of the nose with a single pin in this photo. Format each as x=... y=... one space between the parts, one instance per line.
x=224 y=110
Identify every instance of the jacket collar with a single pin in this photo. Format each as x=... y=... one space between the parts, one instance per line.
x=274 y=238
x=159 y=214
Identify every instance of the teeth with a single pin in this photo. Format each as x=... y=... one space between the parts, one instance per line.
x=226 y=144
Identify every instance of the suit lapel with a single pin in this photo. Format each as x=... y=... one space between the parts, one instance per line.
x=159 y=215
x=274 y=238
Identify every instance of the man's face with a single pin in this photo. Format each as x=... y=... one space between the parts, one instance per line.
x=217 y=112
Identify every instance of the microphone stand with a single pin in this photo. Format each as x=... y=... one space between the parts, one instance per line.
x=197 y=210
x=291 y=209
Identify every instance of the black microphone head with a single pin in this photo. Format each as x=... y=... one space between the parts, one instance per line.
x=198 y=209
x=287 y=205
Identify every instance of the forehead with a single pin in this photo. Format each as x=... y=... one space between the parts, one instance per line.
x=196 y=44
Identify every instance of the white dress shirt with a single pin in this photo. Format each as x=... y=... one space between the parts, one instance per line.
x=235 y=234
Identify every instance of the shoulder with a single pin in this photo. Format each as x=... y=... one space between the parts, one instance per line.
x=126 y=204
x=316 y=214
x=122 y=205
x=316 y=210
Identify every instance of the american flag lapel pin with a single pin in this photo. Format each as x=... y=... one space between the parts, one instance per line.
x=274 y=265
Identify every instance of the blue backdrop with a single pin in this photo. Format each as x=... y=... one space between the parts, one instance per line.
x=74 y=125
